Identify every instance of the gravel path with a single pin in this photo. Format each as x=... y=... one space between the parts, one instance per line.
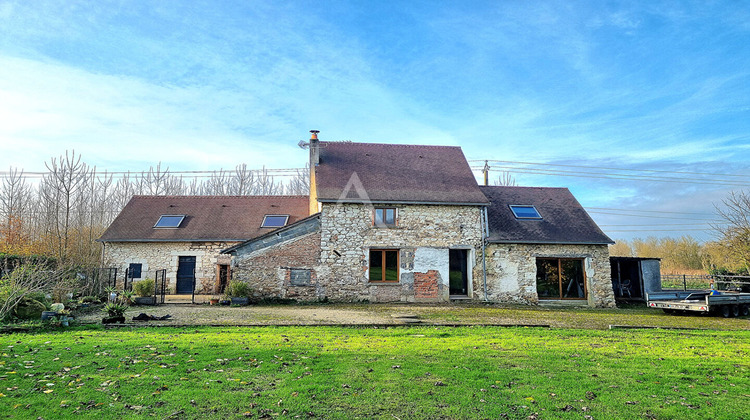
x=183 y=314
x=426 y=314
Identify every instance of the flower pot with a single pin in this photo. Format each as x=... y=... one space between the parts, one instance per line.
x=48 y=314
x=145 y=300
x=240 y=301
x=214 y=301
x=114 y=319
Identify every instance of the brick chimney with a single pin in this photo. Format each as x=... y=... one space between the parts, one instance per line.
x=314 y=149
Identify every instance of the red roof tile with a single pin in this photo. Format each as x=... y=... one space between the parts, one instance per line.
x=208 y=218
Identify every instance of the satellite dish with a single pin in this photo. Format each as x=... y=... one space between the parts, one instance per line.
x=303 y=144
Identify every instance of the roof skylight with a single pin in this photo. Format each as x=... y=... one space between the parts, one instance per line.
x=167 y=221
x=275 y=220
x=525 y=212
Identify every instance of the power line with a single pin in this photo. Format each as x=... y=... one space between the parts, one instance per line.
x=654 y=217
x=182 y=174
x=608 y=168
x=600 y=175
x=657 y=230
x=651 y=211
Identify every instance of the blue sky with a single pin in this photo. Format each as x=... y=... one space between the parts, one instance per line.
x=628 y=87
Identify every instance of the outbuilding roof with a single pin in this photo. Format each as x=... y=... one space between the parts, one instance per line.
x=563 y=220
x=207 y=218
x=395 y=173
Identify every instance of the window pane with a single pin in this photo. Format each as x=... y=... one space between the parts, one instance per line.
x=525 y=212
x=390 y=216
x=274 y=221
x=547 y=279
x=378 y=217
x=376 y=265
x=572 y=279
x=167 y=221
x=391 y=265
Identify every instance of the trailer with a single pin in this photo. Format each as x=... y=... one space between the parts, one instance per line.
x=726 y=303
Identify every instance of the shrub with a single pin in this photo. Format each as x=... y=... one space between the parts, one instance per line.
x=126 y=297
x=29 y=309
x=238 y=289
x=114 y=309
x=21 y=283
x=143 y=288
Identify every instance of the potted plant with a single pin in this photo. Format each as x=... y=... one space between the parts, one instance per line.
x=64 y=316
x=55 y=308
x=115 y=313
x=127 y=297
x=144 y=291
x=238 y=292
x=111 y=292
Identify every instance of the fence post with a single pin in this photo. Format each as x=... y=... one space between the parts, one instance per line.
x=684 y=282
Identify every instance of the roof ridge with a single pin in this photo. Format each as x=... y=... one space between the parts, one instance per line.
x=217 y=196
x=389 y=144
x=521 y=186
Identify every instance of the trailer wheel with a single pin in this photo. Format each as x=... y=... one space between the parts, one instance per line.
x=669 y=311
x=726 y=311
x=744 y=310
x=735 y=310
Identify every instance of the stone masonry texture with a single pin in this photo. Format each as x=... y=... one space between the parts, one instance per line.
x=165 y=255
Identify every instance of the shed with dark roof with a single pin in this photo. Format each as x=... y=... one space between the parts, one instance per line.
x=563 y=219
x=394 y=173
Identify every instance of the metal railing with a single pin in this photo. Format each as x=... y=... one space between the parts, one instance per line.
x=160 y=285
x=704 y=281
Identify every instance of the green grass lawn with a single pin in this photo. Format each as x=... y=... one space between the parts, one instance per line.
x=400 y=372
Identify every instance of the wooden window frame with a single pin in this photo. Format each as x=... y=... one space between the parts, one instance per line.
x=384 y=224
x=559 y=278
x=382 y=261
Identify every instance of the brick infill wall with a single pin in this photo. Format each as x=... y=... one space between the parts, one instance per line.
x=426 y=284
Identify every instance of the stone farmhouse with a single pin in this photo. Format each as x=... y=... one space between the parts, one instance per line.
x=382 y=223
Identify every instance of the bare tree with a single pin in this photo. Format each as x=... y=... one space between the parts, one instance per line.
x=217 y=184
x=242 y=182
x=266 y=185
x=505 y=179
x=734 y=228
x=61 y=189
x=300 y=183
x=15 y=203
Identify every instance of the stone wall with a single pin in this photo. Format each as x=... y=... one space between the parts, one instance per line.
x=423 y=235
x=165 y=255
x=268 y=270
x=511 y=272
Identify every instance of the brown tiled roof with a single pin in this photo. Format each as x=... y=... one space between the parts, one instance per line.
x=564 y=221
x=396 y=173
x=208 y=218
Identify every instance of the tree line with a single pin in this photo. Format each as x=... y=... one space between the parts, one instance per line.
x=72 y=204
x=728 y=254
